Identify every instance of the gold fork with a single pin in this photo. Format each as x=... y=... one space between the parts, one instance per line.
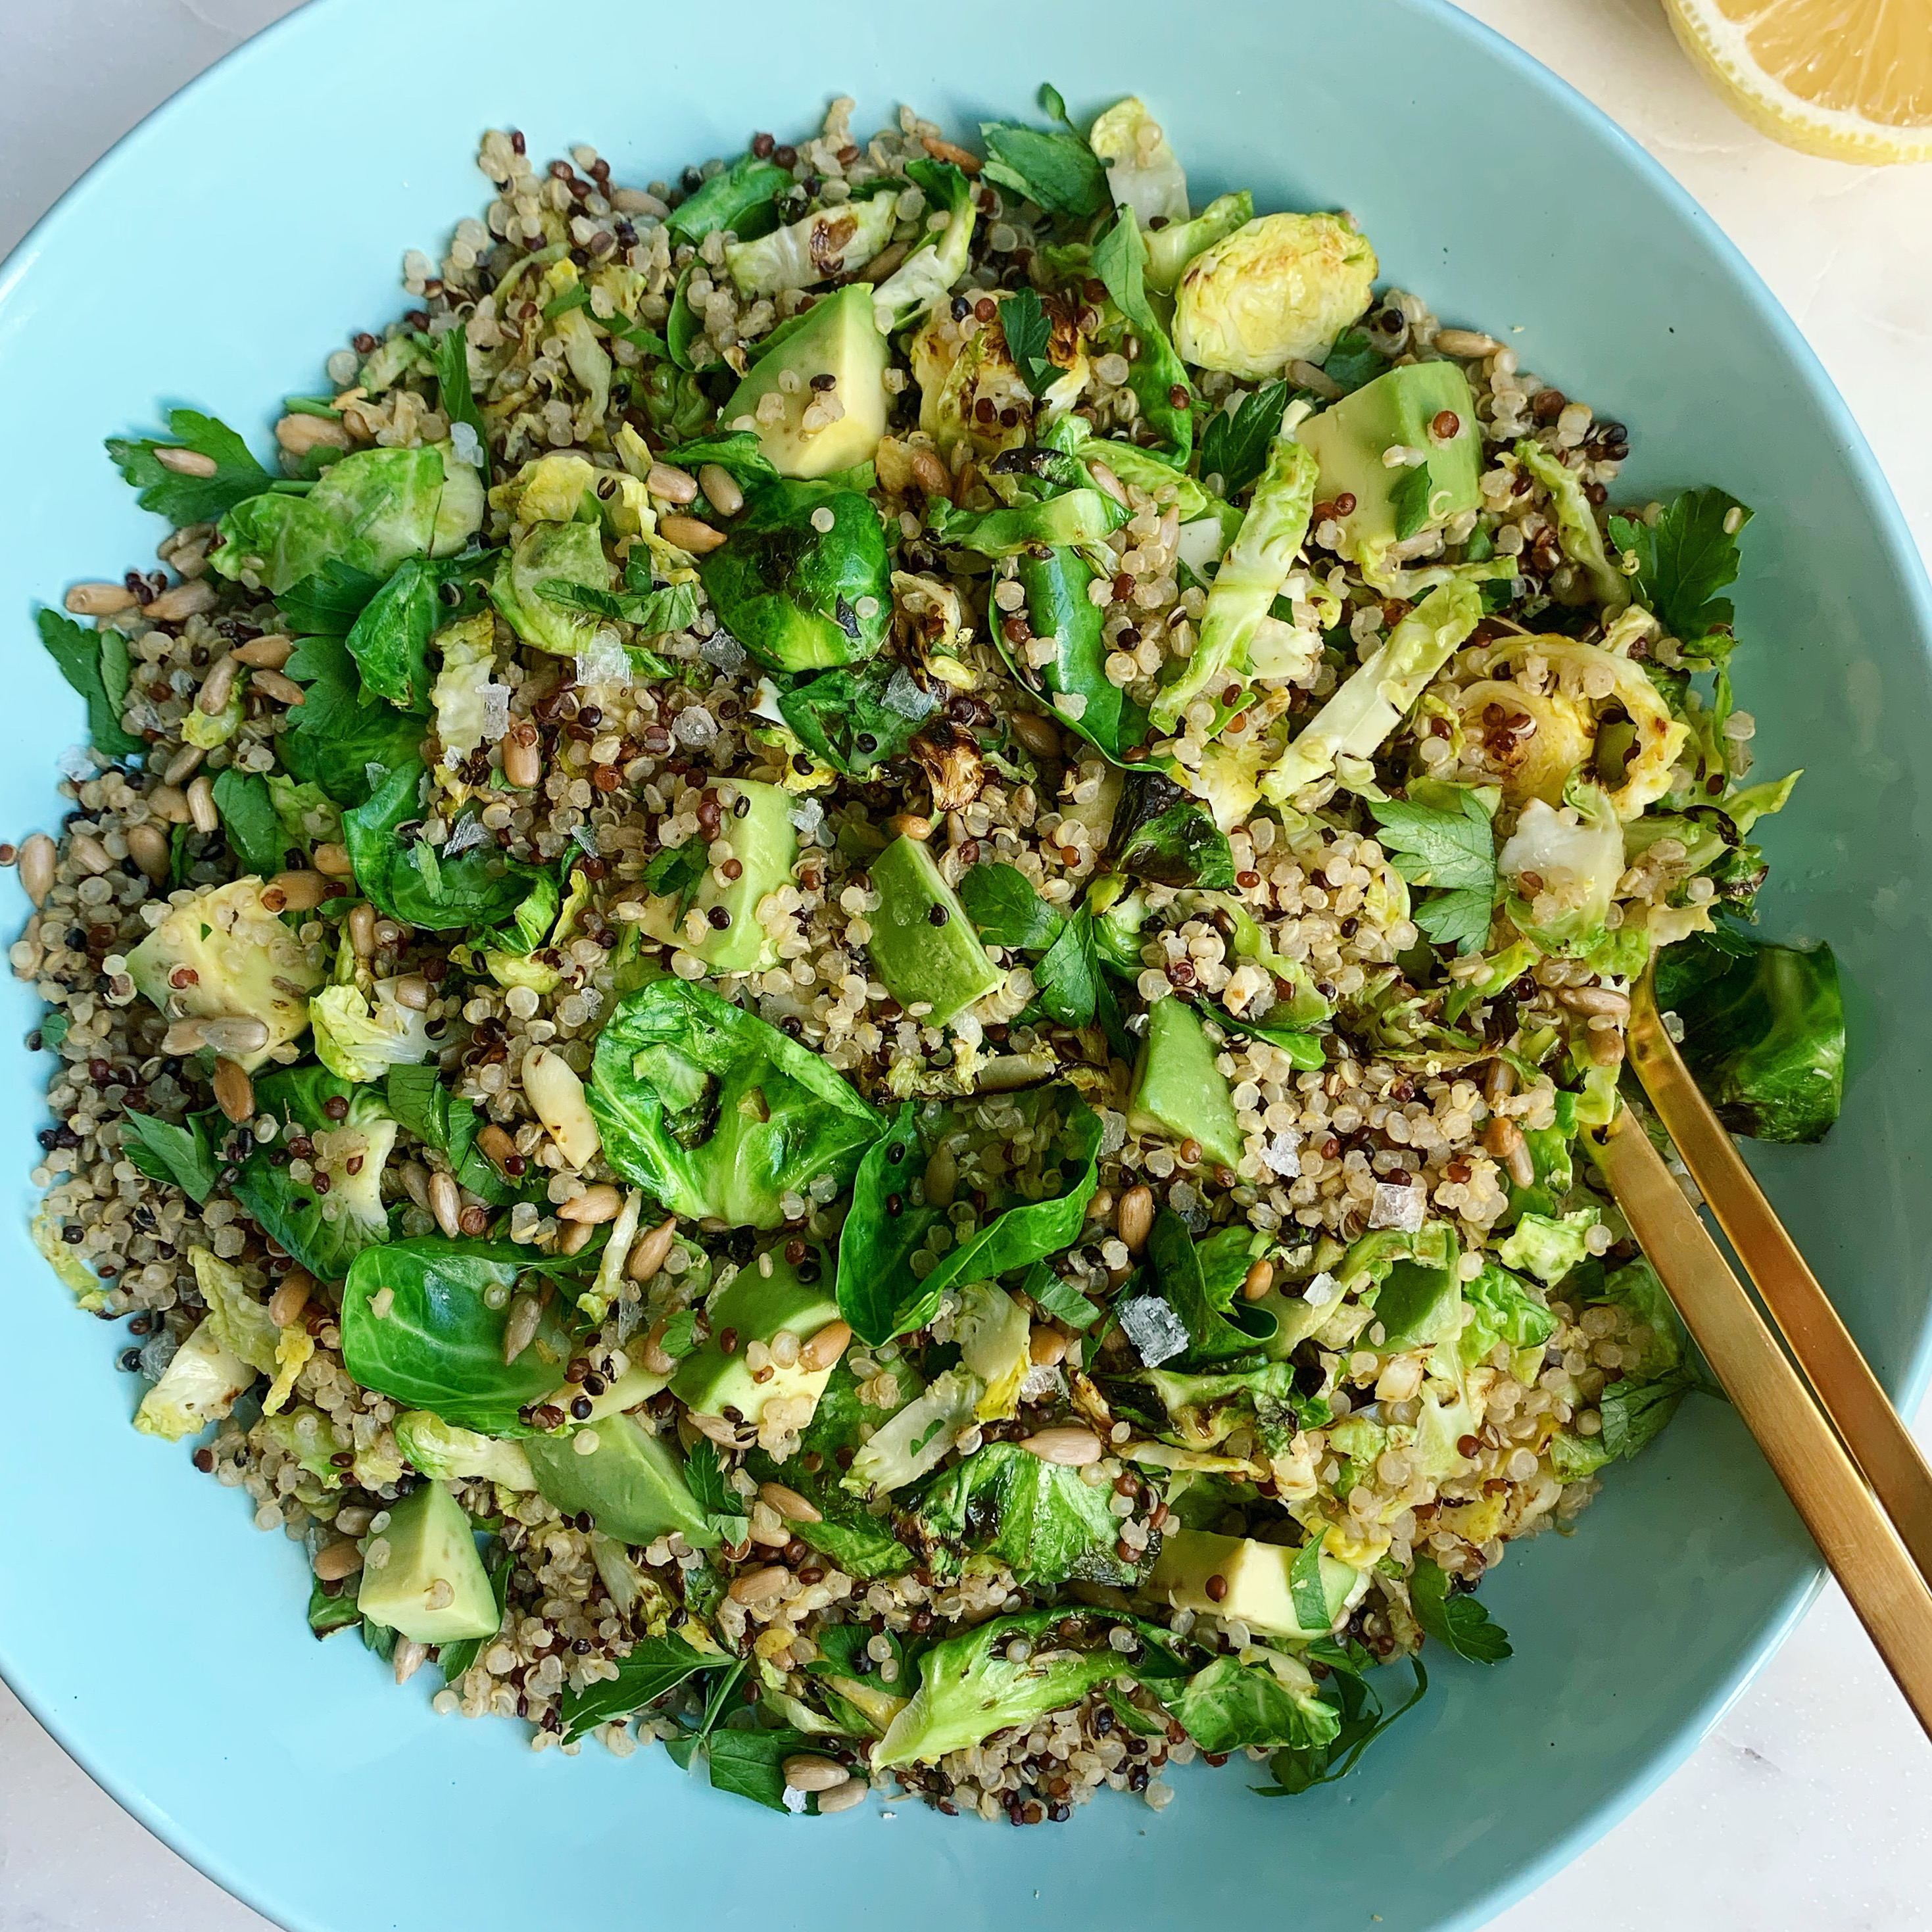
x=1837 y=1446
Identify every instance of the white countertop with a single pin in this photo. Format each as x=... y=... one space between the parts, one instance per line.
x=1810 y=1805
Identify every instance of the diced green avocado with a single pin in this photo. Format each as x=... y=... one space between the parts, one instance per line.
x=755 y=1307
x=1254 y=1579
x=1401 y=409
x=922 y=942
x=1178 y=1088
x=765 y=843
x=239 y=961
x=632 y=1483
x=837 y=338
x=430 y=1545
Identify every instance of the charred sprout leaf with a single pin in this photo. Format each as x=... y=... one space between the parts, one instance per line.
x=1235 y=444
x=804 y=580
x=1074 y=517
x=333 y=739
x=1455 y=1620
x=389 y=640
x=856 y=718
x=1362 y=1721
x=655 y=1667
x=422 y=1105
x=327 y=1615
x=1452 y=852
x=682 y=327
x=248 y=818
x=166 y=1153
x=717 y=1113
x=880 y=1294
x=1028 y=330
x=1683 y=560
x=439 y=1344
x=96 y=664
x=979 y=1682
x=1201 y=1281
x=1057 y=170
x=1161 y=833
x=1005 y=910
x=190 y=499
x=406 y=878
x=1231 y=1706
x=1046 y=1522
x=739 y=198
x=1764 y=1031
x=369 y=511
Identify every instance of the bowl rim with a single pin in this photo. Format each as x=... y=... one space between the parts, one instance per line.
x=1908 y=1387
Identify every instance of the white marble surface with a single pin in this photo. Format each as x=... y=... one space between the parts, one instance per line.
x=1811 y=1804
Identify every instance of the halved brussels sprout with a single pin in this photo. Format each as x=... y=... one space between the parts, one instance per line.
x=1277 y=290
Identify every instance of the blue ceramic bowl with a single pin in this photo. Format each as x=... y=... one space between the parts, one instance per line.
x=258 y=219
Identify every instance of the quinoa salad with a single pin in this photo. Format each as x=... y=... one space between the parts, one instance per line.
x=831 y=989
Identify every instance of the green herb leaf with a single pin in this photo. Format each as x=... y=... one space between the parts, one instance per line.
x=1409 y=500
x=1057 y=170
x=424 y=1106
x=1683 y=561
x=655 y=1667
x=327 y=604
x=1068 y=975
x=1454 y=1620
x=191 y=499
x=1354 y=361
x=1029 y=330
x=734 y=199
x=1005 y=909
x=53 y=1030
x=96 y=664
x=1230 y=1706
x=458 y=399
x=1453 y=852
x=674 y=608
x=164 y=1152
x=1235 y=446
x=1634 y=1413
x=751 y=1764
x=1362 y=1721
x=334 y=738
x=327 y=1615
x=1059 y=1299
x=678 y=869
x=248 y=818
x=682 y=327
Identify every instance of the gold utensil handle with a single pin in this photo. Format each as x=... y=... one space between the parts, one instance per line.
x=1879 y=1441
x=1843 y=1517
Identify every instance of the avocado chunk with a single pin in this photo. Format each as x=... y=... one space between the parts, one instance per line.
x=836 y=338
x=797 y=1300
x=1255 y=1580
x=433 y=1586
x=1401 y=409
x=922 y=942
x=1178 y=1091
x=225 y=955
x=632 y=1483
x=765 y=843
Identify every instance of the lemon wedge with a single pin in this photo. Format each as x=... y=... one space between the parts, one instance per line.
x=1851 y=80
